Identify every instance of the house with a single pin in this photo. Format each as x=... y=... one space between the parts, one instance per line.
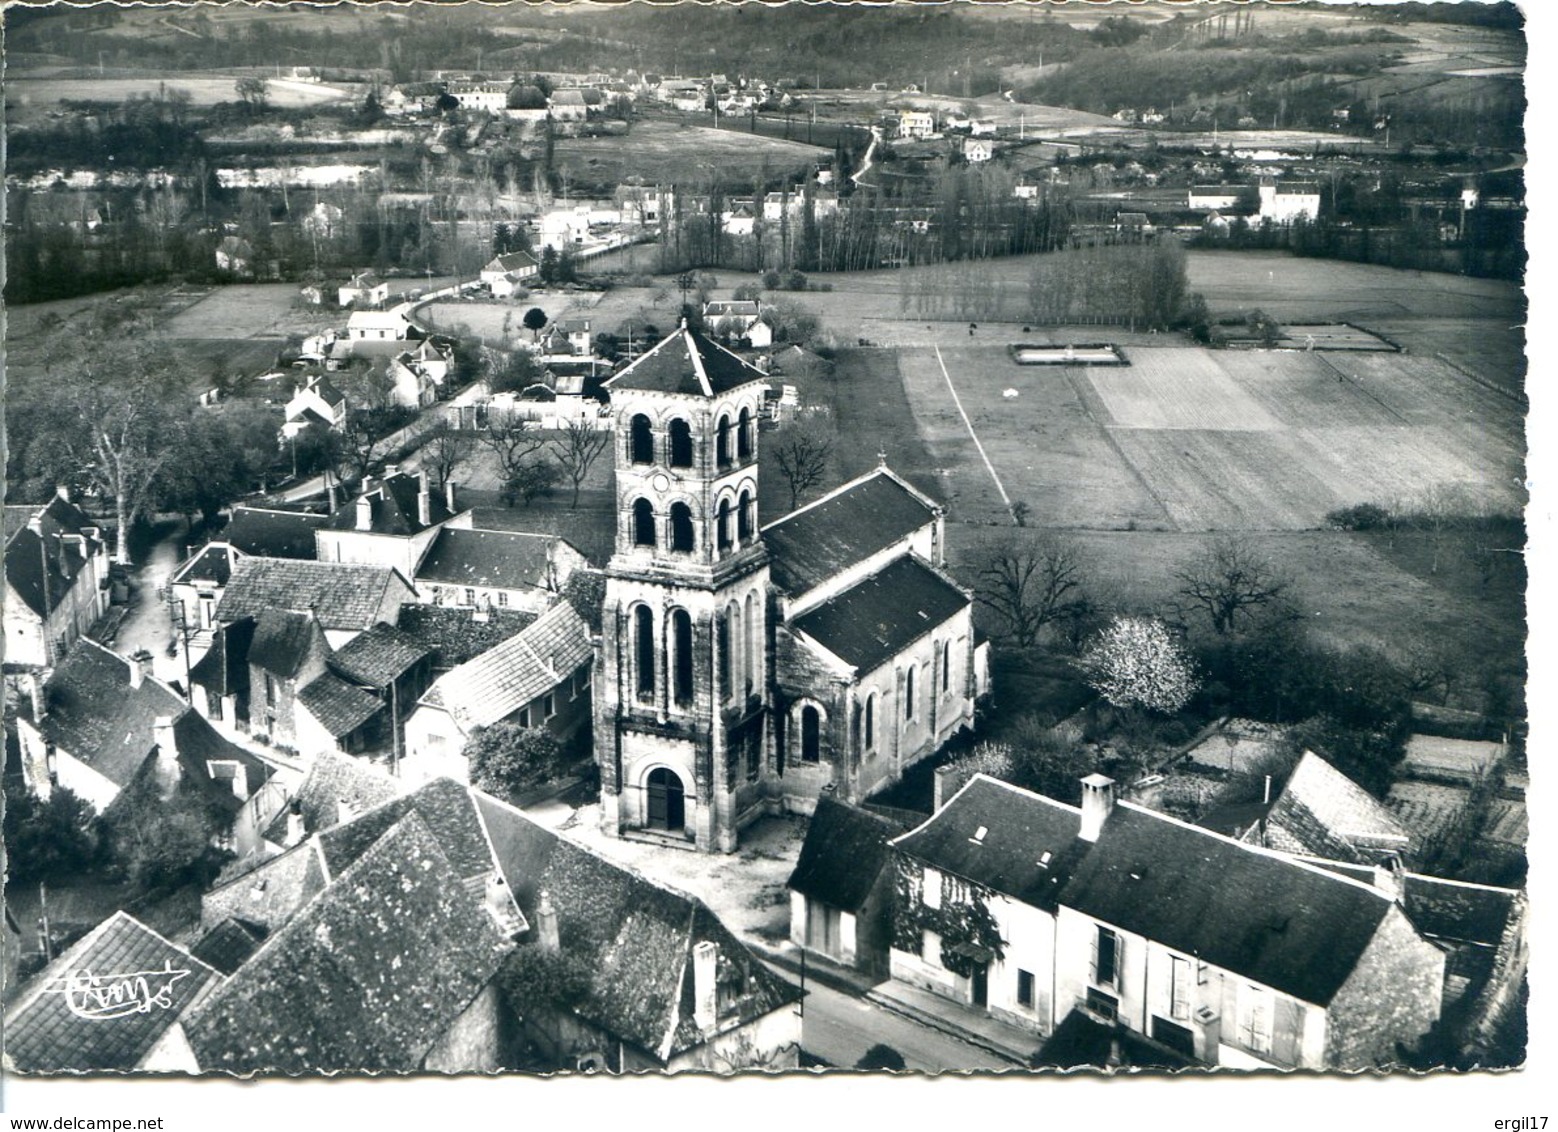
x=318 y=401
x=739 y=319
x=1024 y=191
x=1213 y=198
x=112 y=734
x=568 y=106
x=841 y=892
x=412 y=98
x=504 y=569
x=980 y=884
x=1234 y=955
x=978 y=150
x=1133 y=226
x=235 y=254
x=1320 y=812
x=982 y=128
x=56 y=582
x=455 y=634
x=370 y=685
x=738 y=221
x=433 y=358
x=743 y=669
x=366 y=327
x=565 y=229
x=916 y=124
x=197 y=585
x=336 y=789
x=538 y=678
x=505 y=274
x=219 y=680
x=110 y=1003
x=344 y=598
x=1284 y=202
x=270 y=533
x=392 y=522
x=482 y=97
x=365 y=289
x=411 y=385
x=644 y=205
x=287 y=651
x=568 y=338
x=324 y=221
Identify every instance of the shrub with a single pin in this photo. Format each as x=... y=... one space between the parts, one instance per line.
x=1360 y=517
x=507 y=759
x=45 y=840
x=881 y=1057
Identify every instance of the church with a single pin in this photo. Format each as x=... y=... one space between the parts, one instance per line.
x=746 y=669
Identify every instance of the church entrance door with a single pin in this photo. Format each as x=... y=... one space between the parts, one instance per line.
x=667 y=809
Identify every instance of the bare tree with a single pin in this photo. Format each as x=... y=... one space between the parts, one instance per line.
x=576 y=446
x=1029 y=581
x=512 y=441
x=445 y=449
x=801 y=452
x=254 y=91
x=1231 y=580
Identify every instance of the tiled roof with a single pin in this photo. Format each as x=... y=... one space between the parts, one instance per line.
x=505 y=678
x=270 y=895
x=720 y=307
x=200 y=744
x=98 y=718
x=1021 y=827
x=284 y=642
x=344 y=595
x=394 y=508
x=497 y=559
x=379 y=656
x=512 y=261
x=876 y=619
x=843 y=855
x=224 y=669
x=366 y=978
x=1287 y=925
x=456 y=635
x=335 y=781
x=273 y=534
x=1323 y=813
x=443 y=804
x=44 y=1034
x=1472 y=913
x=635 y=937
x=228 y=946
x=42 y=566
x=811 y=545
x=213 y=563
x=687 y=362
x=340 y=708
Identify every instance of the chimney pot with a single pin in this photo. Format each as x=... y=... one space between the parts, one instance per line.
x=424 y=504
x=364 y=513
x=1097 y=802
x=546 y=923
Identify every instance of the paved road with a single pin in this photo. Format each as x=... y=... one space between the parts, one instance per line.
x=839 y=1028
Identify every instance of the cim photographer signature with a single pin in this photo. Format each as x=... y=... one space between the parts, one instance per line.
x=102 y=997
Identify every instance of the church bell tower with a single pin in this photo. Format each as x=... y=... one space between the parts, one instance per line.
x=680 y=699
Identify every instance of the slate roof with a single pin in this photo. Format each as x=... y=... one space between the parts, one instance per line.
x=334 y=780
x=212 y=563
x=508 y=676
x=224 y=669
x=199 y=743
x=366 y=978
x=42 y=565
x=843 y=855
x=876 y=619
x=270 y=895
x=273 y=534
x=394 y=508
x=1287 y=925
x=508 y=560
x=1323 y=813
x=1470 y=913
x=1020 y=828
x=809 y=546
x=97 y=718
x=719 y=308
x=454 y=635
x=228 y=946
x=344 y=595
x=284 y=641
x=634 y=936
x=446 y=808
x=340 y=708
x=44 y=1035
x=379 y=656
x=511 y=262
x=687 y=362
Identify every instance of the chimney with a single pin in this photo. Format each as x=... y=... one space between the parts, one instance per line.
x=295 y=830
x=705 y=971
x=1390 y=878
x=40 y=701
x=63 y=491
x=449 y=495
x=167 y=756
x=546 y=923
x=424 y=504
x=364 y=512
x=140 y=668
x=1097 y=802
x=391 y=471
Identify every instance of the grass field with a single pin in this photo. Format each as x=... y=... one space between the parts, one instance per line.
x=252 y=310
x=666 y=151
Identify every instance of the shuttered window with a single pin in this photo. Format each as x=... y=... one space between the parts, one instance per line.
x=1106 y=958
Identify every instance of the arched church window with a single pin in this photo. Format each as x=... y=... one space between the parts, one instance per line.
x=681 y=656
x=811 y=734
x=722 y=524
x=681 y=444
x=643 y=523
x=868 y=724
x=644 y=651
x=744 y=435
x=641 y=441
x=722 y=441
x=681 y=527
x=745 y=510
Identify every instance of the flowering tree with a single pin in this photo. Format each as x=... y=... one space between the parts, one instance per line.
x=1136 y=662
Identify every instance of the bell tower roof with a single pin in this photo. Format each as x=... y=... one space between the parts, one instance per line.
x=687 y=362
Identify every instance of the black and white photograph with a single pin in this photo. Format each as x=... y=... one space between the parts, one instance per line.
x=846 y=541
